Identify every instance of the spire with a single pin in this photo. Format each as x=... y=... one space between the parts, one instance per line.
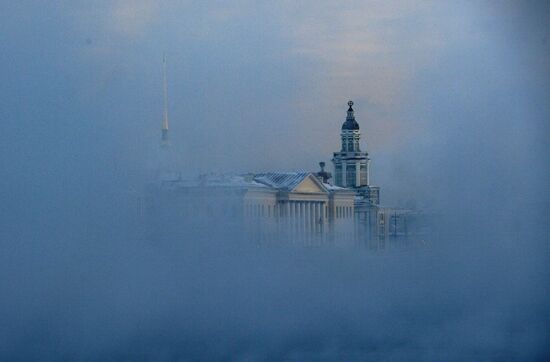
x=164 y=137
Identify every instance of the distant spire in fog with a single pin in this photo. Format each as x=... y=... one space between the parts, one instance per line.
x=164 y=138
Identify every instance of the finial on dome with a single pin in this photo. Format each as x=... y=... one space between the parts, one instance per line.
x=350 y=123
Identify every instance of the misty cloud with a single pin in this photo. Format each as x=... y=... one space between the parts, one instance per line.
x=452 y=103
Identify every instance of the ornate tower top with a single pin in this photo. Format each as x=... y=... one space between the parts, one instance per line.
x=350 y=123
x=351 y=165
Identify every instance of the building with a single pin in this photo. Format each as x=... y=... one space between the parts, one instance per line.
x=295 y=207
x=292 y=206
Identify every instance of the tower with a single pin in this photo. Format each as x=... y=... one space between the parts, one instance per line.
x=351 y=166
x=164 y=141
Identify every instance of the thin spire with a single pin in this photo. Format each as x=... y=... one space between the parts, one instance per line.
x=164 y=138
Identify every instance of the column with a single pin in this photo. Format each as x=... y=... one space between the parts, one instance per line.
x=311 y=221
x=301 y=220
x=322 y=226
x=368 y=175
x=289 y=209
x=295 y=213
x=358 y=173
x=305 y=221
x=287 y=218
x=312 y=217
x=317 y=215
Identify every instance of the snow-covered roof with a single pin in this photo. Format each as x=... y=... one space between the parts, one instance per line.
x=281 y=180
x=286 y=181
x=333 y=187
x=214 y=180
x=229 y=181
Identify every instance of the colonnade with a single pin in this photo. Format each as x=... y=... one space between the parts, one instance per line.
x=303 y=218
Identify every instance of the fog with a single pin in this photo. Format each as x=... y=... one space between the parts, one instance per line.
x=452 y=100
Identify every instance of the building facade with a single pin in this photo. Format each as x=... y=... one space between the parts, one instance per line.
x=274 y=206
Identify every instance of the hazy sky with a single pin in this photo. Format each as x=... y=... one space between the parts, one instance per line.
x=263 y=85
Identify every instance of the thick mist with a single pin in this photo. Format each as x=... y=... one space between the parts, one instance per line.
x=452 y=101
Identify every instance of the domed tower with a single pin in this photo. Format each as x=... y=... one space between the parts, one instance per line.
x=351 y=166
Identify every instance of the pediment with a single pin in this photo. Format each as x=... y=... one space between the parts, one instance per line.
x=310 y=184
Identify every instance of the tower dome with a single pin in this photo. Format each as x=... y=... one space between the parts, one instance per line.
x=350 y=123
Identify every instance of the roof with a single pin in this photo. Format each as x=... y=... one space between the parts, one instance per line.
x=333 y=187
x=350 y=123
x=286 y=181
x=281 y=180
x=213 y=180
x=228 y=180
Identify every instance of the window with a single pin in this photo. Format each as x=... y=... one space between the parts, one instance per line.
x=350 y=175
x=363 y=175
x=338 y=174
